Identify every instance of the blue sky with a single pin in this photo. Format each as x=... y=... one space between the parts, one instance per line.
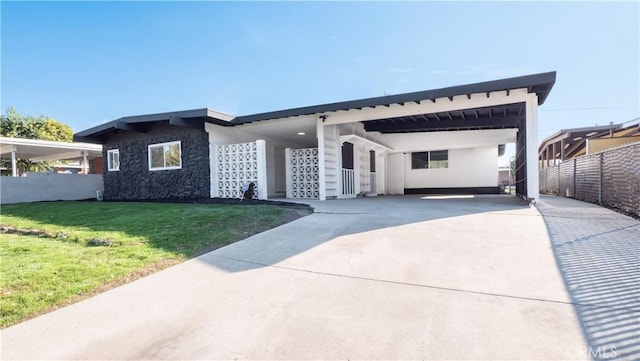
x=85 y=63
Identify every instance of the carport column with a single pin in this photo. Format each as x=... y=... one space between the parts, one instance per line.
x=261 y=149
x=14 y=163
x=533 y=180
x=322 y=185
x=288 y=173
x=85 y=162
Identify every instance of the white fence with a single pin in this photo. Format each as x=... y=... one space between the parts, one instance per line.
x=348 y=182
x=37 y=187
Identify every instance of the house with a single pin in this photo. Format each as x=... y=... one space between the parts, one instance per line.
x=570 y=143
x=435 y=141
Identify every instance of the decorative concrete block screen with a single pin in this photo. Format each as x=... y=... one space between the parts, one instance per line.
x=302 y=173
x=239 y=164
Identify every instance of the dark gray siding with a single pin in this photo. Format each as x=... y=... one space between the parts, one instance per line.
x=134 y=180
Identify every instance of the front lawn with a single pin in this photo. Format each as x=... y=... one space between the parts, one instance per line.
x=57 y=265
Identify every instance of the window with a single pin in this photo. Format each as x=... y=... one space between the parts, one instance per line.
x=347 y=155
x=419 y=160
x=439 y=159
x=432 y=159
x=165 y=156
x=372 y=161
x=113 y=160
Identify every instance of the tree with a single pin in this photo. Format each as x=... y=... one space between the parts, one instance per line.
x=16 y=125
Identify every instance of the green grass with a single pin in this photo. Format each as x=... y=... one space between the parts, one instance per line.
x=40 y=274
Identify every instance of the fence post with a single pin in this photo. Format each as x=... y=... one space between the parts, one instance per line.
x=558 y=175
x=600 y=178
x=575 y=162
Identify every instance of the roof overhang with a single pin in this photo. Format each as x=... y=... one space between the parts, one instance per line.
x=496 y=104
x=540 y=84
x=44 y=150
x=194 y=118
x=575 y=138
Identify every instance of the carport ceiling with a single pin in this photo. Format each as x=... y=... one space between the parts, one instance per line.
x=495 y=117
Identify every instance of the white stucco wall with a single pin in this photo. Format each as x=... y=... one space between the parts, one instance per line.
x=38 y=187
x=475 y=167
x=472 y=159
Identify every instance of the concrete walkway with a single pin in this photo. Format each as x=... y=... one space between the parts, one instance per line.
x=598 y=253
x=376 y=278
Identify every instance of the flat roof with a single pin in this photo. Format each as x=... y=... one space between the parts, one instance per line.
x=40 y=150
x=540 y=84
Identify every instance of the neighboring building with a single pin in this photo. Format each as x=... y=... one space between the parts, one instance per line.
x=81 y=155
x=571 y=143
x=76 y=181
x=434 y=141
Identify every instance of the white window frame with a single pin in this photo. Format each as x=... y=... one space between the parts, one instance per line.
x=110 y=152
x=164 y=149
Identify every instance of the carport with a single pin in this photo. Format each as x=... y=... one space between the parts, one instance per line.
x=363 y=145
x=44 y=150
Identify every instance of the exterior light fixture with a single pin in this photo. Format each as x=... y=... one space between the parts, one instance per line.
x=301 y=133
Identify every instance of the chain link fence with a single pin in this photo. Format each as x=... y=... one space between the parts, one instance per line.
x=610 y=178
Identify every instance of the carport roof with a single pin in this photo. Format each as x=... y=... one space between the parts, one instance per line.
x=540 y=84
x=40 y=150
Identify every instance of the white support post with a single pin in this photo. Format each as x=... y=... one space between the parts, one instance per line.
x=380 y=172
x=533 y=180
x=261 y=148
x=85 y=162
x=14 y=162
x=322 y=179
x=213 y=170
x=288 y=172
x=356 y=168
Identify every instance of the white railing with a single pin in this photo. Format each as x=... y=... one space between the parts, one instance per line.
x=372 y=183
x=348 y=182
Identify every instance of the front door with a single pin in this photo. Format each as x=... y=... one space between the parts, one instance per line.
x=348 y=173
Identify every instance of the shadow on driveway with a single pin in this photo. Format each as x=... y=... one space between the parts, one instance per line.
x=598 y=254
x=335 y=218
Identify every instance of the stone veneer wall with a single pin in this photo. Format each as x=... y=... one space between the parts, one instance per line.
x=134 y=180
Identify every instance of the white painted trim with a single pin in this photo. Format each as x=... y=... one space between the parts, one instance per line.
x=109 y=153
x=213 y=169
x=322 y=172
x=459 y=102
x=163 y=144
x=288 y=172
x=261 y=150
x=220 y=115
x=50 y=143
x=14 y=162
x=533 y=180
x=369 y=144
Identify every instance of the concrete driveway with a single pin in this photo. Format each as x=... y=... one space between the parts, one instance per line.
x=375 y=278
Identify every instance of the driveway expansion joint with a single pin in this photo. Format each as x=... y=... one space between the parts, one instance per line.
x=451 y=289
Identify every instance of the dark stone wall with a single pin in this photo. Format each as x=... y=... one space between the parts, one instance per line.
x=134 y=180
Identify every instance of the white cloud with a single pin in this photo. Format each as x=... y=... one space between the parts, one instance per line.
x=401 y=70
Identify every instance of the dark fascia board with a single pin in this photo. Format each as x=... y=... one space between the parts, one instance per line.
x=94 y=134
x=541 y=84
